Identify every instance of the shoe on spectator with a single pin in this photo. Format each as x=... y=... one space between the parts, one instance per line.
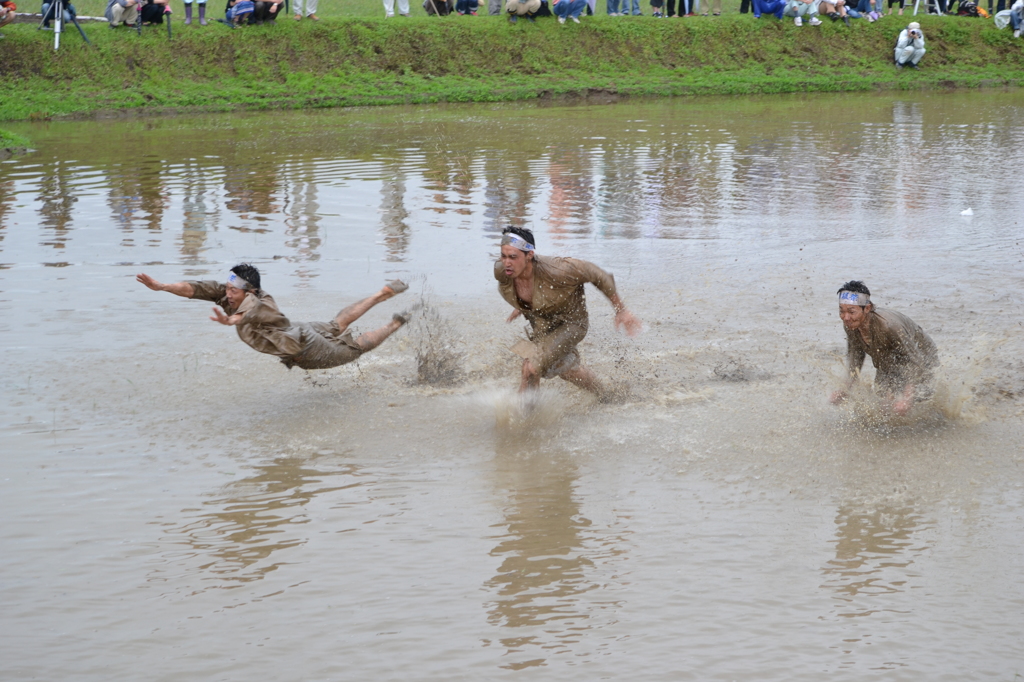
x=575 y=19
x=314 y=17
x=1016 y=34
x=473 y=13
x=404 y=14
x=814 y=21
x=798 y=21
x=898 y=65
x=298 y=17
x=512 y=18
x=915 y=67
x=561 y=20
x=846 y=20
x=530 y=17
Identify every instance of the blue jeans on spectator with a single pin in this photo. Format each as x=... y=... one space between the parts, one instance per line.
x=636 y=8
x=571 y=8
x=613 y=6
x=775 y=7
x=69 y=13
x=466 y=6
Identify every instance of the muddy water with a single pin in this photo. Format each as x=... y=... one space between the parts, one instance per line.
x=177 y=506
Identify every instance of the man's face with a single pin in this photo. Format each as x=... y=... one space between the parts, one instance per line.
x=513 y=260
x=235 y=295
x=853 y=316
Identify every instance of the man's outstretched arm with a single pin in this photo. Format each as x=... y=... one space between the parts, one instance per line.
x=183 y=289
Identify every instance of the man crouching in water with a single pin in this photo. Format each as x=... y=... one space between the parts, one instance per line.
x=254 y=314
x=903 y=355
x=549 y=293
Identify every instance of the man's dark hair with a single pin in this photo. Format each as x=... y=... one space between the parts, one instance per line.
x=856 y=286
x=249 y=273
x=520 y=232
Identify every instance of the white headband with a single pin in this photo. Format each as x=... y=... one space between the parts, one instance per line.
x=854 y=298
x=237 y=282
x=516 y=241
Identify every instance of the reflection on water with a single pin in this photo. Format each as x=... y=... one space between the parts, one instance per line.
x=874 y=552
x=548 y=556
x=630 y=178
x=252 y=520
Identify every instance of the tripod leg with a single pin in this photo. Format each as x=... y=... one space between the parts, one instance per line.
x=79 y=27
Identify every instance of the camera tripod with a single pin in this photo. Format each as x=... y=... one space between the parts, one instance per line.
x=56 y=10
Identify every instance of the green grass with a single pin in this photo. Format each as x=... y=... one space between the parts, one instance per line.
x=369 y=61
x=9 y=140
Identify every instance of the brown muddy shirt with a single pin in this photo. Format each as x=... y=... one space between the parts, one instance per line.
x=900 y=350
x=558 y=296
x=263 y=326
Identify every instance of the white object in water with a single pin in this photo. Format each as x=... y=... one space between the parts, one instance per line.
x=967 y=212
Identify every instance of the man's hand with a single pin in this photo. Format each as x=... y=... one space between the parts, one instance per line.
x=625 y=319
x=515 y=313
x=149 y=282
x=220 y=316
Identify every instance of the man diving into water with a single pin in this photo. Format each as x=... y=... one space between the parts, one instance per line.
x=903 y=355
x=254 y=314
x=549 y=293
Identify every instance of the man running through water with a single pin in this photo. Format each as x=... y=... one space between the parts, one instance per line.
x=549 y=293
x=254 y=314
x=903 y=355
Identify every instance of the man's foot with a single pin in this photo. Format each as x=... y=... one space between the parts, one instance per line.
x=798 y=21
x=404 y=14
x=846 y=20
x=298 y=17
x=898 y=65
x=814 y=21
x=406 y=315
x=473 y=13
x=314 y=17
x=396 y=286
x=915 y=67
x=575 y=19
x=561 y=20
x=513 y=19
x=530 y=17
x=1016 y=34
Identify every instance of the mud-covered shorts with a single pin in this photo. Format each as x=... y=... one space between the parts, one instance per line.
x=554 y=352
x=323 y=346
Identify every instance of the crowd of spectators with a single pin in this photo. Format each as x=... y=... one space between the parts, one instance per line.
x=909 y=48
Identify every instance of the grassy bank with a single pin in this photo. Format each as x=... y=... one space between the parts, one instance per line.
x=11 y=144
x=354 y=61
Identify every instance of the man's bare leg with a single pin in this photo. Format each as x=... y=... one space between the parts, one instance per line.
x=353 y=312
x=584 y=378
x=531 y=377
x=370 y=340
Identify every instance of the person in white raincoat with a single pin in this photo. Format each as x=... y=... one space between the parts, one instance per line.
x=910 y=46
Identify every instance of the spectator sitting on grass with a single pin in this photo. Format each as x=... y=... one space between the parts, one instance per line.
x=266 y=10
x=121 y=12
x=238 y=12
x=70 y=13
x=569 y=9
x=464 y=7
x=798 y=9
x=152 y=11
x=834 y=10
x=776 y=7
x=869 y=9
x=526 y=8
x=910 y=46
x=7 y=13
x=1017 y=17
x=440 y=8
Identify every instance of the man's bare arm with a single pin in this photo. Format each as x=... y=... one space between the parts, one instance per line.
x=183 y=289
x=624 y=318
x=226 y=320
